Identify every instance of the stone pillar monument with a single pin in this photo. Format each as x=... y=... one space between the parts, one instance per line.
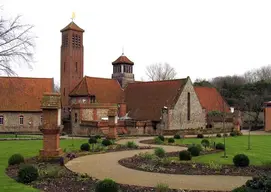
x=51 y=125
x=112 y=120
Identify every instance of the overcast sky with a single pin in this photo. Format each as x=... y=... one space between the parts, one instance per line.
x=199 y=38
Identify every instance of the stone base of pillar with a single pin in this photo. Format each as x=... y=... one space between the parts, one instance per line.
x=112 y=133
x=237 y=128
x=51 y=153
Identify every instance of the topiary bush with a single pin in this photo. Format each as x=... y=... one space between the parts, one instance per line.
x=239 y=133
x=185 y=156
x=220 y=146
x=160 y=152
x=16 y=159
x=97 y=137
x=233 y=134
x=131 y=144
x=107 y=185
x=218 y=135
x=85 y=147
x=177 y=136
x=106 y=142
x=200 y=136
x=28 y=173
x=161 y=137
x=205 y=143
x=241 y=160
x=157 y=140
x=92 y=140
x=170 y=140
x=194 y=150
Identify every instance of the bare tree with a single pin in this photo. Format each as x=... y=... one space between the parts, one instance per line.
x=56 y=87
x=160 y=72
x=16 y=45
x=254 y=75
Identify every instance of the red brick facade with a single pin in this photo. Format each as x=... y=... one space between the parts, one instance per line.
x=71 y=63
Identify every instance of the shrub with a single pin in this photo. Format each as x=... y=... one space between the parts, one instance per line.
x=194 y=150
x=177 y=137
x=185 y=156
x=97 y=137
x=27 y=174
x=161 y=187
x=131 y=144
x=161 y=137
x=205 y=143
x=159 y=152
x=16 y=159
x=218 y=135
x=146 y=155
x=85 y=147
x=107 y=185
x=233 y=134
x=225 y=135
x=92 y=140
x=106 y=142
x=170 y=140
x=200 y=136
x=261 y=183
x=241 y=160
x=240 y=189
x=220 y=146
x=157 y=140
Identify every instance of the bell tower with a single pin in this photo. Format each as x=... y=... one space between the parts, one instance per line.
x=71 y=63
x=123 y=70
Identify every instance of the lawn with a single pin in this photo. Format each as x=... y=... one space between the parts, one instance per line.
x=19 y=136
x=27 y=149
x=258 y=155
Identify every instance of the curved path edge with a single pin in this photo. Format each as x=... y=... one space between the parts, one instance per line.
x=106 y=165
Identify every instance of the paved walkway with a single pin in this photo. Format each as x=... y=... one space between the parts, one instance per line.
x=106 y=165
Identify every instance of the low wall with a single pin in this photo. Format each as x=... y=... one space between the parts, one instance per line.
x=196 y=131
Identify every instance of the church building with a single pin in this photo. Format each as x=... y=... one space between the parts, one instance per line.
x=170 y=104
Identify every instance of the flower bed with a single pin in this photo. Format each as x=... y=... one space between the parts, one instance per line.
x=167 y=165
x=54 y=177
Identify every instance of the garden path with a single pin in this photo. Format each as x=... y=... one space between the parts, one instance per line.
x=106 y=165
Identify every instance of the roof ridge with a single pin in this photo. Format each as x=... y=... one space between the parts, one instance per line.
x=163 y=81
x=100 y=78
x=87 y=85
x=28 y=77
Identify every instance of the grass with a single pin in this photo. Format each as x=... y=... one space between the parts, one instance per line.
x=27 y=149
x=19 y=136
x=258 y=155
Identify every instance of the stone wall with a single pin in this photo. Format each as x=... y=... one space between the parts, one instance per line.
x=31 y=122
x=178 y=115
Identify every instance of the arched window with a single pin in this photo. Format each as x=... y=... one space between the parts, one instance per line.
x=1 y=119
x=21 y=120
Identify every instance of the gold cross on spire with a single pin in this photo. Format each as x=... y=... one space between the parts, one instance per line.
x=73 y=16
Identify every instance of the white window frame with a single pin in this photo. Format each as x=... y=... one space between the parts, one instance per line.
x=21 y=118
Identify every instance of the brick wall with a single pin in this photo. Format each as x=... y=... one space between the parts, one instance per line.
x=178 y=115
x=31 y=122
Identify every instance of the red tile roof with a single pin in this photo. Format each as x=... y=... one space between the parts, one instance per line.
x=145 y=100
x=22 y=93
x=72 y=26
x=123 y=60
x=105 y=90
x=211 y=100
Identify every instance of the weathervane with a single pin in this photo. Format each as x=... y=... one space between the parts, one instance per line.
x=122 y=50
x=73 y=16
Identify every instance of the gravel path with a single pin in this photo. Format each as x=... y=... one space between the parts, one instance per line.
x=106 y=165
